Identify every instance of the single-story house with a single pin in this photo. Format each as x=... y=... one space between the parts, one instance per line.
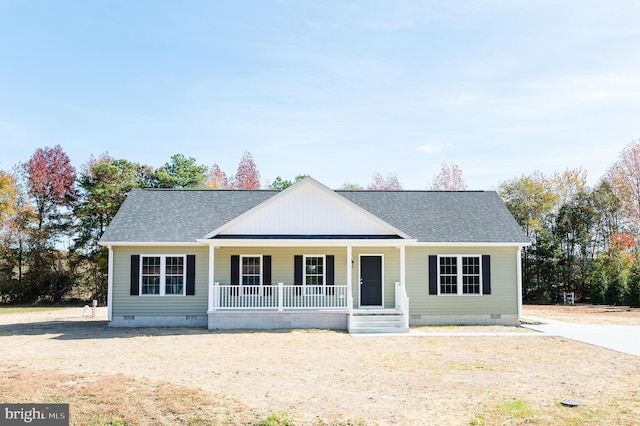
x=312 y=257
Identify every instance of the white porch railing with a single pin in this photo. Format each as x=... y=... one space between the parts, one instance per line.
x=278 y=297
x=402 y=302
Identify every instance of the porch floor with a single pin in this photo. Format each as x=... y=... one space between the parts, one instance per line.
x=377 y=311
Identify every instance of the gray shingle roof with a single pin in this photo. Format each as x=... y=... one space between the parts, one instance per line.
x=443 y=216
x=153 y=215
x=167 y=215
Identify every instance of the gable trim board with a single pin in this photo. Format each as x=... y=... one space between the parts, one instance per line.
x=137 y=229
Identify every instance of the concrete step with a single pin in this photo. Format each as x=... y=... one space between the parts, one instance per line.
x=377 y=323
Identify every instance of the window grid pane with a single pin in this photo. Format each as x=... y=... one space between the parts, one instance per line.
x=314 y=273
x=471 y=275
x=174 y=275
x=251 y=273
x=150 y=275
x=448 y=275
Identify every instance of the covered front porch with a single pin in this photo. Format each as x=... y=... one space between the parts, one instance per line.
x=339 y=285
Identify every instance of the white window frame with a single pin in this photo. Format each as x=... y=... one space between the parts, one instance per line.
x=304 y=274
x=163 y=275
x=241 y=275
x=459 y=275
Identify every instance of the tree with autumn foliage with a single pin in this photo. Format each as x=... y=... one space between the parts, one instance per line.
x=50 y=182
x=449 y=179
x=51 y=185
x=569 y=226
x=624 y=178
x=217 y=179
x=9 y=209
x=247 y=176
x=16 y=233
x=380 y=183
x=613 y=269
x=8 y=195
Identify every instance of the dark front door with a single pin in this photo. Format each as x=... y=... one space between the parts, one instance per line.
x=371 y=281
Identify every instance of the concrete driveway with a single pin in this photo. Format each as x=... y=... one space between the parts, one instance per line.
x=621 y=338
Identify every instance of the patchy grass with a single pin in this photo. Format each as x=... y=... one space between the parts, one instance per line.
x=277 y=419
x=29 y=309
x=122 y=400
x=118 y=400
x=517 y=409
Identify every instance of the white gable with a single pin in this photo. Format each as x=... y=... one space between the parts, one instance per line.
x=307 y=208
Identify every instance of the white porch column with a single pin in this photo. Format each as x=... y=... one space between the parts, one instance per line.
x=110 y=284
x=519 y=280
x=349 y=275
x=211 y=276
x=402 y=266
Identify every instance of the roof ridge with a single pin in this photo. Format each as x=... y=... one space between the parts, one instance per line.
x=414 y=190
x=206 y=190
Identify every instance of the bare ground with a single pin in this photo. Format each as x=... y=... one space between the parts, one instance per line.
x=194 y=376
x=586 y=314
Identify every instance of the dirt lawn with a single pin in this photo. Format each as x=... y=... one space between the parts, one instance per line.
x=194 y=376
x=585 y=314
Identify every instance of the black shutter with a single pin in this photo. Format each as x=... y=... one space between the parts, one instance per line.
x=135 y=275
x=433 y=274
x=297 y=270
x=235 y=270
x=486 y=274
x=191 y=275
x=266 y=270
x=330 y=273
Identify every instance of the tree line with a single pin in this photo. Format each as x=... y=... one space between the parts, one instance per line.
x=52 y=216
x=583 y=239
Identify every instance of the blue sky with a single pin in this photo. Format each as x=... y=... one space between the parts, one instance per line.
x=339 y=90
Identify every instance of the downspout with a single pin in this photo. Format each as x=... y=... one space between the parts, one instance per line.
x=519 y=281
x=211 y=299
x=349 y=284
x=110 y=284
x=402 y=267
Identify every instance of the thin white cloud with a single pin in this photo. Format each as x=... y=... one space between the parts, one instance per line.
x=431 y=149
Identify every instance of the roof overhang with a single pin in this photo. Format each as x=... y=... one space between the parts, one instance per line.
x=149 y=244
x=307 y=242
x=471 y=244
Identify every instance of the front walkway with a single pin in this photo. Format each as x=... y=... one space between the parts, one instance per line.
x=621 y=338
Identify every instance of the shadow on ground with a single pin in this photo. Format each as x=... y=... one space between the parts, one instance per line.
x=92 y=329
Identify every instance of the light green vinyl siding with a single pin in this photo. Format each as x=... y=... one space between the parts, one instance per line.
x=125 y=304
x=504 y=289
x=282 y=259
x=502 y=300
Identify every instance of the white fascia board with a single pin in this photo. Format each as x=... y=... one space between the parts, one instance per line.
x=149 y=244
x=305 y=243
x=318 y=185
x=470 y=244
